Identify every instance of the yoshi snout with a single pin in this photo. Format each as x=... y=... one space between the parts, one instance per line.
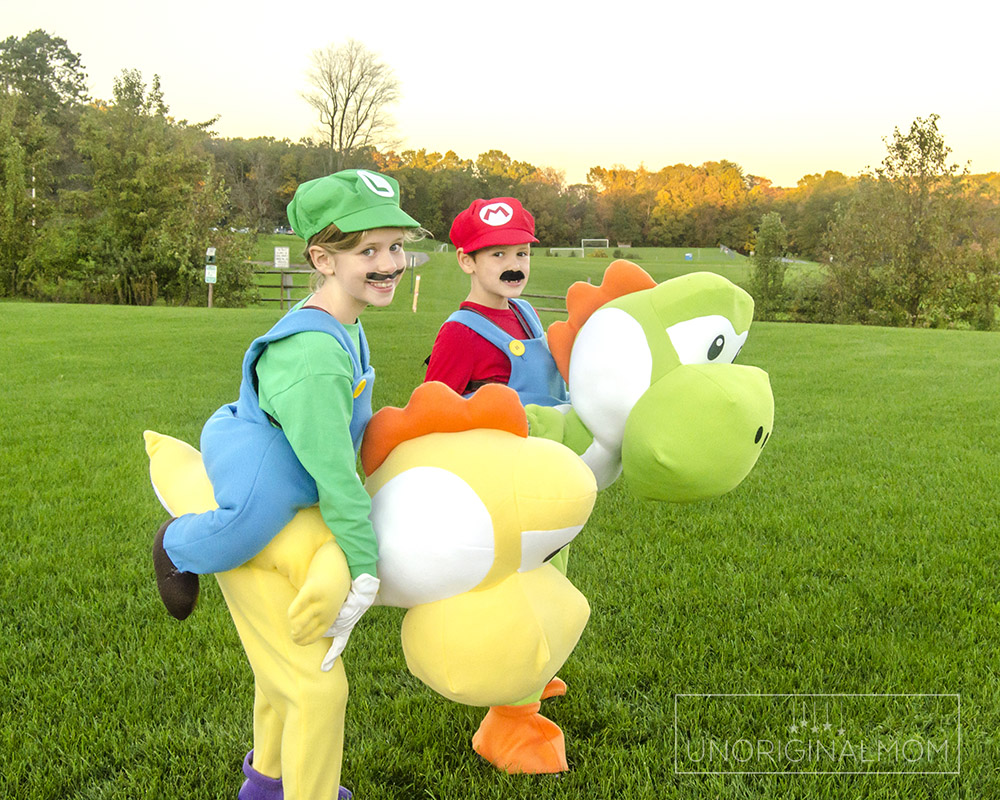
x=697 y=432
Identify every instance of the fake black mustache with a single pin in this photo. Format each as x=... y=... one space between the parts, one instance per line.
x=512 y=275
x=385 y=276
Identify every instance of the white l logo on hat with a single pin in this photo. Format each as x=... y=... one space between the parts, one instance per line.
x=496 y=214
x=378 y=184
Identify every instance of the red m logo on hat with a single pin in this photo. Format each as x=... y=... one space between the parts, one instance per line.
x=491 y=211
x=488 y=213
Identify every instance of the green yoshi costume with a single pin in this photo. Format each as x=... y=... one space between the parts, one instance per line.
x=655 y=397
x=654 y=390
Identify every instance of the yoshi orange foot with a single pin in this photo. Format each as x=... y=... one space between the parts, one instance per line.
x=519 y=739
x=554 y=688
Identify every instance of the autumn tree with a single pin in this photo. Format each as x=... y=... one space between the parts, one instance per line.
x=352 y=90
x=417 y=194
x=894 y=242
x=16 y=234
x=139 y=226
x=767 y=269
x=501 y=175
x=42 y=91
x=544 y=195
x=434 y=188
x=808 y=209
x=625 y=200
x=254 y=172
x=43 y=70
x=973 y=298
x=682 y=205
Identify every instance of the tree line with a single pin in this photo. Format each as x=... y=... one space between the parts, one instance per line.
x=116 y=200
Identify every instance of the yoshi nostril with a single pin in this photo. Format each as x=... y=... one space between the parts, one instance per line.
x=760 y=432
x=765 y=439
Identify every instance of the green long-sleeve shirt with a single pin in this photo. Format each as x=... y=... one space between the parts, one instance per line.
x=306 y=385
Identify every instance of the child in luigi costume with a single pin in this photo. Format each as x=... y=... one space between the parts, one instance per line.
x=290 y=441
x=495 y=337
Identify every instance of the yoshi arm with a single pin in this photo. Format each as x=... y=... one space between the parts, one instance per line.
x=654 y=391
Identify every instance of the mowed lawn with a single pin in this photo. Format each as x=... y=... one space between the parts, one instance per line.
x=549 y=274
x=859 y=557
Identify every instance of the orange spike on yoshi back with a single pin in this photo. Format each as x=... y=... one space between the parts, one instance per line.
x=583 y=299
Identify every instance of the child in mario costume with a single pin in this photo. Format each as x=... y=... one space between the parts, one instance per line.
x=494 y=337
x=289 y=442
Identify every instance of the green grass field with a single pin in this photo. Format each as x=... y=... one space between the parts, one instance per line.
x=859 y=557
x=549 y=274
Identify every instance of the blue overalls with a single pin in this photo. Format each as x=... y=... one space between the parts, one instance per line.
x=258 y=482
x=533 y=372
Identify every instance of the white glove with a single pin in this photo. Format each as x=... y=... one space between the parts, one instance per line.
x=359 y=600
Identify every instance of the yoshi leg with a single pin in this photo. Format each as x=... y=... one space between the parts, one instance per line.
x=267 y=726
x=516 y=738
x=561 y=560
x=557 y=686
x=299 y=729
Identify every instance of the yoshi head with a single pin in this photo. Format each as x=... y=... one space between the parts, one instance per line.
x=651 y=375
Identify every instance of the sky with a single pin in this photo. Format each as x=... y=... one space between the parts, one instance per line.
x=784 y=89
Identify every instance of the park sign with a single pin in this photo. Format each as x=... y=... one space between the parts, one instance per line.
x=210 y=266
x=281 y=258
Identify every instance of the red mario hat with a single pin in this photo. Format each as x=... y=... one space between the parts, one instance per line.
x=498 y=221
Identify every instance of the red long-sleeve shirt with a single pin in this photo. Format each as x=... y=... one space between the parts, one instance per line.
x=464 y=360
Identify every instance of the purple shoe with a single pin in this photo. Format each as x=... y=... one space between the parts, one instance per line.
x=260 y=787
x=257 y=786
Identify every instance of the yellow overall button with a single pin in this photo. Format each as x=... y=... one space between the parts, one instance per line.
x=516 y=347
x=360 y=387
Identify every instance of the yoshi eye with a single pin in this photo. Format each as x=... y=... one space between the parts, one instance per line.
x=538 y=547
x=715 y=349
x=706 y=340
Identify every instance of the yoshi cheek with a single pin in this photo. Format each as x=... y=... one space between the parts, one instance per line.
x=609 y=370
x=697 y=432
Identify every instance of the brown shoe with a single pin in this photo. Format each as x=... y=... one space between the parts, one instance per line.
x=178 y=590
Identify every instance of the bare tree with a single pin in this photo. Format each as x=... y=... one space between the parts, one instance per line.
x=352 y=89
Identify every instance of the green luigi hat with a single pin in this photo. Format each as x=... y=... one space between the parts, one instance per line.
x=353 y=200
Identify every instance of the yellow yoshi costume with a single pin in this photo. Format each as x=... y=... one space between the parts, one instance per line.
x=301 y=577
x=468 y=511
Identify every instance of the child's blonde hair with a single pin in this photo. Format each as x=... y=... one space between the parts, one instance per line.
x=334 y=240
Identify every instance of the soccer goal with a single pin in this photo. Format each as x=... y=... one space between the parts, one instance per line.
x=594 y=244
